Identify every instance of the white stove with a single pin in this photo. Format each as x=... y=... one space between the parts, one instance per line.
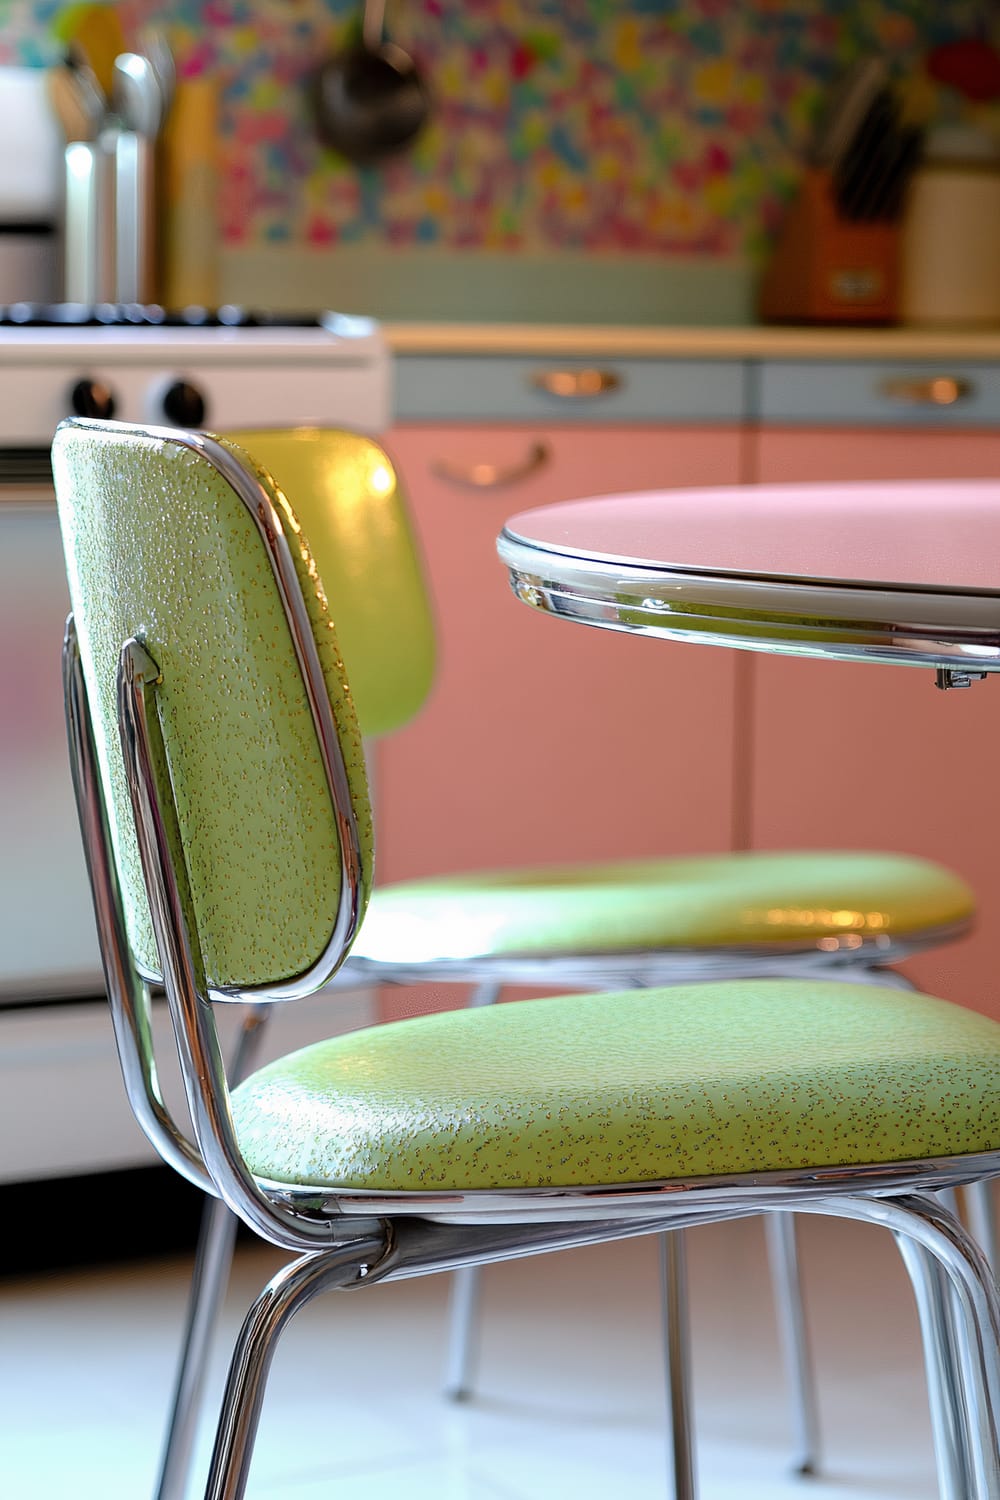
x=215 y=368
x=228 y=367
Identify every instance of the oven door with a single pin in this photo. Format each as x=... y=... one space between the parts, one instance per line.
x=62 y=1103
x=48 y=941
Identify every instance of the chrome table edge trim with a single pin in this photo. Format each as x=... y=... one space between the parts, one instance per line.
x=932 y=626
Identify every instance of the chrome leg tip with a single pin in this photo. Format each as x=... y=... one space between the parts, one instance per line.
x=807 y=1469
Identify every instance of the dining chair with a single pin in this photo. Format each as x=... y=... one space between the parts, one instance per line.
x=592 y=925
x=221 y=782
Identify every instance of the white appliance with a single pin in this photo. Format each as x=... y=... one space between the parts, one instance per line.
x=30 y=186
x=62 y=1108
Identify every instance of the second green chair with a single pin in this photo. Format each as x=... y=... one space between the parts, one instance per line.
x=611 y=925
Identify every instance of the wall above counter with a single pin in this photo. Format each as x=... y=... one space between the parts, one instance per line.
x=626 y=131
x=460 y=287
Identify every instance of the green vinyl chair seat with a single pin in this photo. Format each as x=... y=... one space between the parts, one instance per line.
x=580 y=1090
x=737 y=900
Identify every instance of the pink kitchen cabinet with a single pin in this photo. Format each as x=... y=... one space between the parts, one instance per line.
x=851 y=755
x=542 y=740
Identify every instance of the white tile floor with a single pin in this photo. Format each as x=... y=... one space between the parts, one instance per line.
x=570 y=1390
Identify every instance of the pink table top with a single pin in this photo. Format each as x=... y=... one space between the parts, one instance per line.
x=936 y=533
x=901 y=572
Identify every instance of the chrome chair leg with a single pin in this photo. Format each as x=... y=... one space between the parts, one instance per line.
x=962 y=1421
x=673 y=1300
x=972 y=1340
x=944 y=1357
x=288 y=1291
x=217 y=1240
x=463 y=1330
x=463 y=1313
x=209 y=1280
x=783 y=1257
x=673 y=1285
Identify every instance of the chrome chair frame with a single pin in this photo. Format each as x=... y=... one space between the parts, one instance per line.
x=867 y=963
x=355 y=1237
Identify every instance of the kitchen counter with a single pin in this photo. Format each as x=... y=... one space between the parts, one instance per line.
x=625 y=341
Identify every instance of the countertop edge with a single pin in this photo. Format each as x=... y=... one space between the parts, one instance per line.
x=613 y=341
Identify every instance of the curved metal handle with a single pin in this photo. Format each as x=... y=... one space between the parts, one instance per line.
x=572 y=385
x=484 y=476
x=930 y=390
x=373 y=24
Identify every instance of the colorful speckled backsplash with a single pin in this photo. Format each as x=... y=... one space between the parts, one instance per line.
x=618 y=126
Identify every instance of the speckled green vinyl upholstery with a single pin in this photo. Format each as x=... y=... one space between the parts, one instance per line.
x=715 y=901
x=346 y=495
x=159 y=546
x=701 y=1080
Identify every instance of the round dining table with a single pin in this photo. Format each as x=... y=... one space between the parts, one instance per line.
x=885 y=572
x=905 y=573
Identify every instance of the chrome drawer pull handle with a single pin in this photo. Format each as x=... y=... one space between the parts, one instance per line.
x=483 y=476
x=571 y=385
x=935 y=390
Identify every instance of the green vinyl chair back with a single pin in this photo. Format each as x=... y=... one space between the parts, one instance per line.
x=162 y=544
x=353 y=508
x=350 y=502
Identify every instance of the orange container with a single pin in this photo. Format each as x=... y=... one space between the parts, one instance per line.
x=828 y=269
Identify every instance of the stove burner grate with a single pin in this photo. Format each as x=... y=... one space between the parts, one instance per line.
x=148 y=315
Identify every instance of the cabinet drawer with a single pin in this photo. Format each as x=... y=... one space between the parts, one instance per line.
x=899 y=394
x=455 y=388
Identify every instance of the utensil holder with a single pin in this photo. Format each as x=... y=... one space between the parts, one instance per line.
x=951 y=247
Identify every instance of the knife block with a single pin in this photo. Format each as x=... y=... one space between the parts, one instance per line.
x=828 y=269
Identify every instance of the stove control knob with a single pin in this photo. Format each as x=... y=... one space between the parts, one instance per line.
x=92 y=398
x=183 y=404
